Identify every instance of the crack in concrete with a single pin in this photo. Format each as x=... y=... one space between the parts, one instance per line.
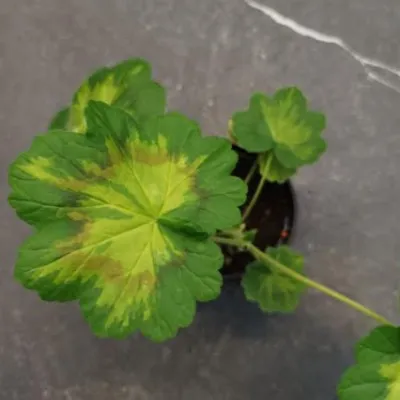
x=367 y=63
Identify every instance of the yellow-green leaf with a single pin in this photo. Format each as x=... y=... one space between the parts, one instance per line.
x=127 y=85
x=123 y=219
x=282 y=130
x=376 y=374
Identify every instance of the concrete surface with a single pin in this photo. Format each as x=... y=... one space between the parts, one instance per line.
x=211 y=54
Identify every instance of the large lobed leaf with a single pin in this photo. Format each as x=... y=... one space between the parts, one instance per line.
x=123 y=219
x=127 y=85
x=285 y=133
x=376 y=376
x=272 y=290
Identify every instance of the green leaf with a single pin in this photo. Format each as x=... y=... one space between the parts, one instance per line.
x=60 y=120
x=250 y=129
x=123 y=219
x=273 y=291
x=272 y=170
x=282 y=129
x=127 y=85
x=376 y=376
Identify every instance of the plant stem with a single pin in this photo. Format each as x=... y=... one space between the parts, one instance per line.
x=254 y=199
x=251 y=172
x=270 y=261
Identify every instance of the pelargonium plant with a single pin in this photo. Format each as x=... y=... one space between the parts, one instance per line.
x=131 y=204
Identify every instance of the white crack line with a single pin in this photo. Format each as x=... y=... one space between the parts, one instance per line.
x=329 y=39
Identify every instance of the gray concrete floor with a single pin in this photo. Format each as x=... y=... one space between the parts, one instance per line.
x=212 y=54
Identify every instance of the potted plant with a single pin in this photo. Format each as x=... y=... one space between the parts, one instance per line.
x=137 y=215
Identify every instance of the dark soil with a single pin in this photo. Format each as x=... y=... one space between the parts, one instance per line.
x=273 y=216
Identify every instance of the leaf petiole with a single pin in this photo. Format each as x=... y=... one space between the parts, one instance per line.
x=228 y=241
x=254 y=199
x=258 y=191
x=253 y=169
x=270 y=261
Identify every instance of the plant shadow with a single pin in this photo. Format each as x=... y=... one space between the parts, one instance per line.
x=231 y=311
x=231 y=351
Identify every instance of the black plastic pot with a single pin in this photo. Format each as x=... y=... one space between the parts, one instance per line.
x=273 y=216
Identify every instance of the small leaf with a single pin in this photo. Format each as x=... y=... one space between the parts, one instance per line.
x=283 y=130
x=273 y=291
x=123 y=219
x=127 y=85
x=376 y=375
